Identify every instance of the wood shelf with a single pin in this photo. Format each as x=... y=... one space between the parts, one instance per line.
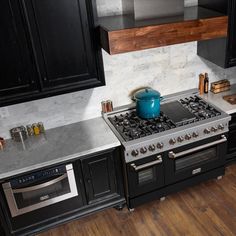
x=120 y=34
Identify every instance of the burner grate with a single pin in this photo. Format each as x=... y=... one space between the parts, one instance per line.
x=174 y=114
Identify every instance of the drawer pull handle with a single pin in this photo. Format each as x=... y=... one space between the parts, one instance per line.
x=173 y=155
x=150 y=164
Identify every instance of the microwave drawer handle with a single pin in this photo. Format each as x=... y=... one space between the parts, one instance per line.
x=173 y=155
x=150 y=164
x=36 y=187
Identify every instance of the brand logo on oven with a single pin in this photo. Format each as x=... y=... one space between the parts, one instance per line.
x=43 y=198
x=196 y=171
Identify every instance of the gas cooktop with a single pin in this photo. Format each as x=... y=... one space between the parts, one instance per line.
x=184 y=119
x=173 y=114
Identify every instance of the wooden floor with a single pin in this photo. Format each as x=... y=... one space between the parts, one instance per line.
x=205 y=209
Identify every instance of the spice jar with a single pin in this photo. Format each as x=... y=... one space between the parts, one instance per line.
x=30 y=130
x=41 y=127
x=36 y=129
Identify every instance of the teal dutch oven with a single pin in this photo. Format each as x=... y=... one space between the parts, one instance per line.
x=147 y=103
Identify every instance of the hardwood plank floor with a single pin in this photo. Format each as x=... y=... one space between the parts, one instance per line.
x=206 y=209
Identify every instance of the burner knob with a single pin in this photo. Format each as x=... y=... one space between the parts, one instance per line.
x=152 y=148
x=160 y=145
x=180 y=139
x=207 y=131
x=188 y=136
x=221 y=127
x=134 y=153
x=172 y=141
x=143 y=150
x=195 y=134
x=214 y=128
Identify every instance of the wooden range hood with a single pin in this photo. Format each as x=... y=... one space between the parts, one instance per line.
x=120 y=34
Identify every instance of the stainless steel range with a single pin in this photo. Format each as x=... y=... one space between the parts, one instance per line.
x=186 y=143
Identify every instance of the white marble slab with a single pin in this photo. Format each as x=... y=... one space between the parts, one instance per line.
x=58 y=145
x=217 y=100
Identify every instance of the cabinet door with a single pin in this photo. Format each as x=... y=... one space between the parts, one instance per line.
x=232 y=34
x=99 y=177
x=16 y=67
x=62 y=38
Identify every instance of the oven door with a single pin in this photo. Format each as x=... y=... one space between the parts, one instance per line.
x=196 y=158
x=145 y=175
x=40 y=189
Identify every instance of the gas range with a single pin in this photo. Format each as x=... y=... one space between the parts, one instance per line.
x=184 y=119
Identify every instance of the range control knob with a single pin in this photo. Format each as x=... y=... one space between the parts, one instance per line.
x=135 y=153
x=221 y=127
x=214 y=128
x=180 y=139
x=207 y=131
x=143 y=150
x=195 y=134
x=160 y=145
x=188 y=136
x=172 y=141
x=151 y=148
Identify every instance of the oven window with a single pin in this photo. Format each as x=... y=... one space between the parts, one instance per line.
x=196 y=158
x=34 y=196
x=146 y=176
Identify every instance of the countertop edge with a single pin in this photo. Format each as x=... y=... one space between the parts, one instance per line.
x=58 y=160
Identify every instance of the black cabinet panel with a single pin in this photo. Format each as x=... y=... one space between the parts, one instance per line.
x=232 y=34
x=99 y=177
x=48 y=47
x=221 y=51
x=61 y=36
x=16 y=68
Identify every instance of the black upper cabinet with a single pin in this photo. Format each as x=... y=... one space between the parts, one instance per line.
x=49 y=48
x=17 y=70
x=232 y=34
x=61 y=38
x=221 y=51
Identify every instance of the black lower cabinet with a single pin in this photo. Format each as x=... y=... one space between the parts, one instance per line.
x=100 y=177
x=231 y=154
x=84 y=186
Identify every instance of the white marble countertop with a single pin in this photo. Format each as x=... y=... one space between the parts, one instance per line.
x=61 y=144
x=217 y=100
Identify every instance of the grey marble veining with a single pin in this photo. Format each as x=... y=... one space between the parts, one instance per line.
x=168 y=69
x=57 y=145
x=217 y=100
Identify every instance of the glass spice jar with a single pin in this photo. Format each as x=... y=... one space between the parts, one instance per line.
x=36 y=129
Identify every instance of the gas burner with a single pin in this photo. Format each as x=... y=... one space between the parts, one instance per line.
x=173 y=114
x=131 y=127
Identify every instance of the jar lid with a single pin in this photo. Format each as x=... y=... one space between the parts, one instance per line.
x=147 y=94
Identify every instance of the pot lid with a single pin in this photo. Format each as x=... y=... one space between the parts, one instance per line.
x=147 y=94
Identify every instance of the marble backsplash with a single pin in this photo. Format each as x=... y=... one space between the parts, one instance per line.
x=111 y=7
x=168 y=69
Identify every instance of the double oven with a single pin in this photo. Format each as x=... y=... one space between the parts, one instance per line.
x=156 y=173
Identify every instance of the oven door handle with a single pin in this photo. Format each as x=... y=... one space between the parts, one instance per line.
x=39 y=186
x=150 y=164
x=173 y=155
